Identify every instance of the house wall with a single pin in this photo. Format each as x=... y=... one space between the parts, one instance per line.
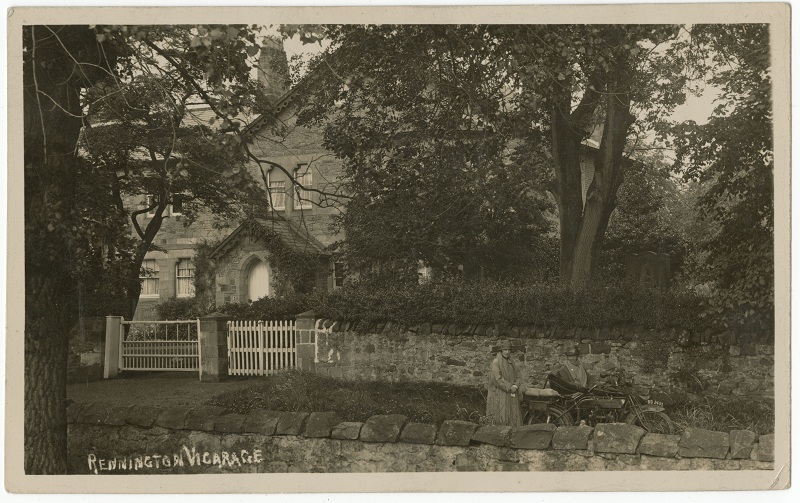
x=294 y=147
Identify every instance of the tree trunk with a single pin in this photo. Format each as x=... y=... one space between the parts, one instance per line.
x=566 y=156
x=601 y=196
x=52 y=81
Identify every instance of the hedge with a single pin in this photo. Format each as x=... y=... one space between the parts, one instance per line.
x=477 y=303
x=493 y=303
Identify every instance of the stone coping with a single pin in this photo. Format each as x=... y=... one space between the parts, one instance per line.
x=754 y=345
x=608 y=438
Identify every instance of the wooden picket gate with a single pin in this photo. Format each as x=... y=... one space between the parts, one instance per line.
x=261 y=347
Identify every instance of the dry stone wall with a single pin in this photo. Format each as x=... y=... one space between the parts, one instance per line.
x=664 y=361
x=105 y=439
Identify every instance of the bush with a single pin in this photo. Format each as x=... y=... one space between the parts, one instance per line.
x=505 y=304
x=180 y=309
x=285 y=307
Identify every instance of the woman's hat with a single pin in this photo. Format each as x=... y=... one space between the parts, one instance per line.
x=505 y=345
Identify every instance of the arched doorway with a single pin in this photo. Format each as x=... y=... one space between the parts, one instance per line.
x=258 y=280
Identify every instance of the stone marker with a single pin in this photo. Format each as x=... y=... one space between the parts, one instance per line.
x=618 y=438
x=742 y=442
x=382 y=428
x=700 y=443
x=572 y=437
x=656 y=444
x=320 y=424
x=532 y=436
x=454 y=432
x=262 y=421
x=492 y=434
x=418 y=433
x=291 y=423
x=348 y=430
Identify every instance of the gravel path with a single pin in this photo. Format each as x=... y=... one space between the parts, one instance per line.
x=161 y=389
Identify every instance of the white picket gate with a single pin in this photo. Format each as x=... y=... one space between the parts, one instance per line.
x=261 y=347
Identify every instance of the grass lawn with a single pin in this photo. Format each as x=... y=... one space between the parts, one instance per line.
x=358 y=400
x=435 y=402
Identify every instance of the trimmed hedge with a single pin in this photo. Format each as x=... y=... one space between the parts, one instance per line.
x=492 y=303
x=475 y=304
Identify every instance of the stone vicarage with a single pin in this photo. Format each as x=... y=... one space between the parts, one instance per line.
x=246 y=268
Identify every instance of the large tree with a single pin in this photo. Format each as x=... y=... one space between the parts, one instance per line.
x=429 y=179
x=541 y=88
x=61 y=237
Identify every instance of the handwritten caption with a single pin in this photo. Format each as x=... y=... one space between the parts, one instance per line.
x=184 y=457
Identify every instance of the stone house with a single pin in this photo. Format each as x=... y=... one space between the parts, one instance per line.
x=301 y=218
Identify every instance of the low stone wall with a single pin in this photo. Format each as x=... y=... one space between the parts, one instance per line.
x=663 y=360
x=144 y=440
x=87 y=341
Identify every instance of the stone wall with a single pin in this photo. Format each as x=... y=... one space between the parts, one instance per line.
x=118 y=440
x=665 y=360
x=87 y=342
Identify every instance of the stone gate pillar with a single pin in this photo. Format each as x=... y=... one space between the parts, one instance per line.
x=306 y=333
x=113 y=342
x=213 y=347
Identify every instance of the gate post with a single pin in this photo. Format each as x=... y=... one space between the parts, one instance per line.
x=113 y=342
x=213 y=347
x=306 y=332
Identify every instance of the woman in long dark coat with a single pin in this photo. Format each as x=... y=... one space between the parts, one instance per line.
x=505 y=391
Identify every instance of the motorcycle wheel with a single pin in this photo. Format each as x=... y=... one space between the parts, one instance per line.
x=652 y=421
x=555 y=415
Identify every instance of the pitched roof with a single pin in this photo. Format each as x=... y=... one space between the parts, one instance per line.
x=289 y=233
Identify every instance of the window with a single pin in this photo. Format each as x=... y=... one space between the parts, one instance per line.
x=149 y=202
x=277 y=194
x=176 y=209
x=302 y=176
x=185 y=278
x=339 y=273
x=148 y=275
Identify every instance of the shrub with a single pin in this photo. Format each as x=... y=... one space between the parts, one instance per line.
x=508 y=304
x=285 y=307
x=180 y=309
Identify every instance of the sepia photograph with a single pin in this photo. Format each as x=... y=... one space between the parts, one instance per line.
x=438 y=243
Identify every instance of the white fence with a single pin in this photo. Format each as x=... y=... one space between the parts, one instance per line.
x=261 y=347
x=160 y=345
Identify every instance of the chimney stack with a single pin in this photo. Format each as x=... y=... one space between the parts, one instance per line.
x=273 y=69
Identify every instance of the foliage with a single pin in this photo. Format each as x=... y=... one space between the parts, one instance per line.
x=294 y=269
x=514 y=305
x=732 y=155
x=721 y=413
x=426 y=402
x=428 y=118
x=180 y=309
x=644 y=219
x=285 y=307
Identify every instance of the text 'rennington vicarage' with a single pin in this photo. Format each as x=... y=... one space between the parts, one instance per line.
x=184 y=457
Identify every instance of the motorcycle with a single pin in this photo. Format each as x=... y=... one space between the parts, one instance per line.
x=610 y=401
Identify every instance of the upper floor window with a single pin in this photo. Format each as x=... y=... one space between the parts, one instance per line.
x=185 y=278
x=148 y=275
x=277 y=194
x=175 y=209
x=303 y=177
x=424 y=273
